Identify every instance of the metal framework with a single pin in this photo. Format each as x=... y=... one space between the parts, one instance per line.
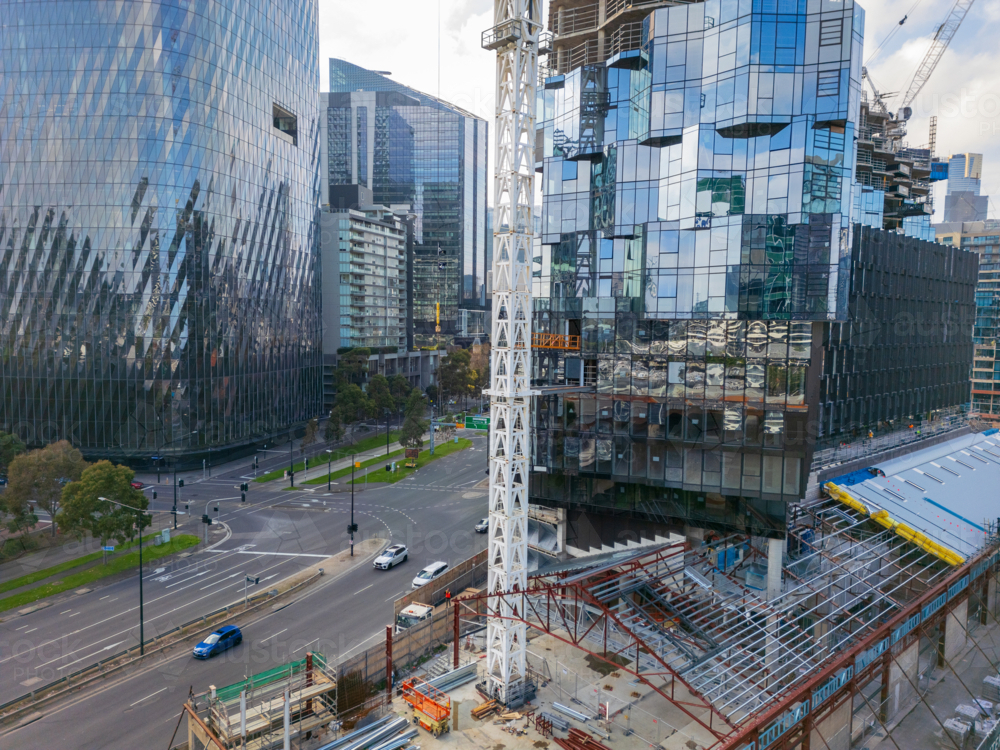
x=515 y=39
x=942 y=38
x=692 y=626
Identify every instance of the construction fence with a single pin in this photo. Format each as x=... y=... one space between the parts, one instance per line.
x=467 y=574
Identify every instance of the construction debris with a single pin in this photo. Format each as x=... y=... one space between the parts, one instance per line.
x=483 y=710
x=579 y=740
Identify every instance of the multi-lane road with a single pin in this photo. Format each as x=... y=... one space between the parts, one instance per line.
x=273 y=535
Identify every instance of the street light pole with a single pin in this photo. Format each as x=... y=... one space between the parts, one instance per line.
x=142 y=632
x=387 y=415
x=352 y=504
x=291 y=464
x=329 y=469
x=175 y=495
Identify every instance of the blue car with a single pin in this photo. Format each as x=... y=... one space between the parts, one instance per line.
x=222 y=639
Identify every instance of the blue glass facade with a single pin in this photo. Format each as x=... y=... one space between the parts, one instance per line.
x=413 y=150
x=158 y=197
x=698 y=233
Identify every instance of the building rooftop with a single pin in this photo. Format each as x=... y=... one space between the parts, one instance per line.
x=939 y=491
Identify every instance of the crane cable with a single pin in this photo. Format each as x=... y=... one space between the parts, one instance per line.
x=892 y=33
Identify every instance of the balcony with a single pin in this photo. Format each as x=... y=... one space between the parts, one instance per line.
x=575 y=20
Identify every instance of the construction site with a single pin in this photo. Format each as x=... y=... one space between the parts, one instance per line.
x=872 y=625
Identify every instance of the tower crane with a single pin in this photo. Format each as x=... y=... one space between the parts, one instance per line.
x=514 y=37
x=942 y=38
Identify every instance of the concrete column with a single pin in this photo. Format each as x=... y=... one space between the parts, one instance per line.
x=834 y=732
x=954 y=631
x=904 y=669
x=775 y=550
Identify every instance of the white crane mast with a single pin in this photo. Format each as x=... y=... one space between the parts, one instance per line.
x=514 y=36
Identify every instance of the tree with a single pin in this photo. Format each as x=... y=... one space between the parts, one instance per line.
x=334 y=431
x=432 y=392
x=352 y=367
x=453 y=374
x=413 y=429
x=353 y=404
x=400 y=388
x=84 y=512
x=20 y=519
x=10 y=447
x=380 y=395
x=480 y=368
x=38 y=477
x=311 y=435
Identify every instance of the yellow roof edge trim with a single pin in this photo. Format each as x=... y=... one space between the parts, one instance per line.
x=883 y=518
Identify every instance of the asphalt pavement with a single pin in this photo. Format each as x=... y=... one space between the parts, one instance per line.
x=274 y=534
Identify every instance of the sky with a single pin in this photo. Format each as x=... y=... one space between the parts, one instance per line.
x=401 y=36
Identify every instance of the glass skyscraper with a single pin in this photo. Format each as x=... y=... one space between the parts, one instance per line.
x=158 y=195
x=702 y=277
x=417 y=152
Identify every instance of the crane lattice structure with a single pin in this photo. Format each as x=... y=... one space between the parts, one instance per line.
x=515 y=39
x=942 y=38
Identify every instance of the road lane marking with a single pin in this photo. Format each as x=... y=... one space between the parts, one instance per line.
x=30 y=631
x=73 y=615
x=395 y=596
x=364 y=589
x=274 y=554
x=272 y=636
x=307 y=644
x=21 y=628
x=149 y=696
x=68 y=610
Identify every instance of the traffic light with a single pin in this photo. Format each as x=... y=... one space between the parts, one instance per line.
x=352 y=528
x=388 y=468
x=154 y=494
x=180 y=482
x=205 y=518
x=243 y=497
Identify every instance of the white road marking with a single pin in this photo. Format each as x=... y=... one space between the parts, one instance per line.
x=272 y=636
x=73 y=615
x=149 y=696
x=68 y=610
x=274 y=554
x=20 y=628
x=30 y=631
x=395 y=596
x=308 y=644
x=364 y=589
x=104 y=597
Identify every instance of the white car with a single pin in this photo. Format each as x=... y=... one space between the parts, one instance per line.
x=428 y=574
x=392 y=556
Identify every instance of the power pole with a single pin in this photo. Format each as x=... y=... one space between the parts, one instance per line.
x=515 y=39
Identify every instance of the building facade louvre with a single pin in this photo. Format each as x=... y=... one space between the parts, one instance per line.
x=159 y=272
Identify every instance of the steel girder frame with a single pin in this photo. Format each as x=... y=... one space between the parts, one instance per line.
x=515 y=39
x=554 y=606
x=746 y=735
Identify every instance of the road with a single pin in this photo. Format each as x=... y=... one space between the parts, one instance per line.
x=432 y=512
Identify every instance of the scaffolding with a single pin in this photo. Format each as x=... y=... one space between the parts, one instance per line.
x=261 y=711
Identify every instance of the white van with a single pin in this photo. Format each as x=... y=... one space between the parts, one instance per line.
x=428 y=574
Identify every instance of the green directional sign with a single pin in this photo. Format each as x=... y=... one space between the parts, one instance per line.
x=477 y=423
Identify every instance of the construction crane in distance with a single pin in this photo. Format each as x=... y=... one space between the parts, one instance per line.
x=942 y=38
x=514 y=37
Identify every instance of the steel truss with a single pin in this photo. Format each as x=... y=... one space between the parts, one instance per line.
x=515 y=39
x=716 y=650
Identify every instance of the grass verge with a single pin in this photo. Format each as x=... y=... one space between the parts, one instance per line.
x=347 y=472
x=425 y=458
x=84 y=577
x=361 y=446
x=43 y=573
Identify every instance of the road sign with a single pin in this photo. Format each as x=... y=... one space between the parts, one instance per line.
x=108 y=549
x=477 y=423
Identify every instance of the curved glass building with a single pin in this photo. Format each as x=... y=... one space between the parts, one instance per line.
x=158 y=190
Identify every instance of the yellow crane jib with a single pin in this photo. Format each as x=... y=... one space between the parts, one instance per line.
x=883 y=518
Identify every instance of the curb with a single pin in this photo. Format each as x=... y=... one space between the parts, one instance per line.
x=33 y=704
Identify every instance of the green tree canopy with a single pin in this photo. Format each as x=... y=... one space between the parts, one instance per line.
x=38 y=477
x=400 y=388
x=414 y=426
x=334 y=430
x=455 y=375
x=311 y=435
x=84 y=512
x=10 y=447
x=380 y=395
x=353 y=404
x=352 y=367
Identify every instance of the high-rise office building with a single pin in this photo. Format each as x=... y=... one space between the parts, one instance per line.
x=424 y=155
x=158 y=199
x=708 y=308
x=982 y=238
x=962 y=202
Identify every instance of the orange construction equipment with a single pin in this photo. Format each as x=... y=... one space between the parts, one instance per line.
x=431 y=707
